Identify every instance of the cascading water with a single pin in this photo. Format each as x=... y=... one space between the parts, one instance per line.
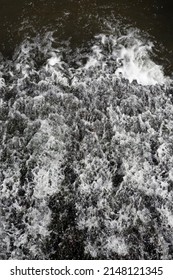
x=86 y=145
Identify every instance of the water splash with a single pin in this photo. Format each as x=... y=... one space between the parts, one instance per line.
x=86 y=155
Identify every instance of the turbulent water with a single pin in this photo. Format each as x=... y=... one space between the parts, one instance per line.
x=86 y=149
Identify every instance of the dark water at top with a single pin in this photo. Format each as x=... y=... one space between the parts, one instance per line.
x=80 y=20
x=86 y=129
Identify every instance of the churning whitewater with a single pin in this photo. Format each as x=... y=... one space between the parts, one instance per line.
x=86 y=151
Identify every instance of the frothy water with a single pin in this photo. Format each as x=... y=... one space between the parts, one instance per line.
x=86 y=152
x=135 y=61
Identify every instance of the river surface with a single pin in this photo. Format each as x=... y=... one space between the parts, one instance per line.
x=86 y=129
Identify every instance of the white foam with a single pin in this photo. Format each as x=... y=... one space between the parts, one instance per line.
x=131 y=57
x=2 y=82
x=111 y=128
x=136 y=64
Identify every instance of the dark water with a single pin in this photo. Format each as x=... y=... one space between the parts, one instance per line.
x=86 y=130
x=80 y=20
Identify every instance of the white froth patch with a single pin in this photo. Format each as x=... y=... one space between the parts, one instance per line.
x=2 y=82
x=137 y=65
x=96 y=59
x=53 y=61
x=55 y=68
x=131 y=56
x=47 y=175
x=116 y=245
x=1 y=102
x=167 y=214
